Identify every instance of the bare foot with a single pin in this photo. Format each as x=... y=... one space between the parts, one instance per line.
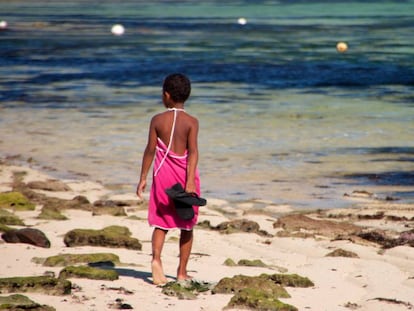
x=158 y=277
x=184 y=277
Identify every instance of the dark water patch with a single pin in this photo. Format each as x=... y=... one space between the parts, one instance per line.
x=403 y=194
x=401 y=159
x=378 y=150
x=391 y=178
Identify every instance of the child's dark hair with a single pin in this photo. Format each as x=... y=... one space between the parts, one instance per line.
x=178 y=86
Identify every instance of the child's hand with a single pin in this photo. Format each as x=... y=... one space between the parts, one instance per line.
x=190 y=187
x=141 y=188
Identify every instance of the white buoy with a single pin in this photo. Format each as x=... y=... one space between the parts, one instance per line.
x=242 y=21
x=118 y=30
x=3 y=25
x=341 y=47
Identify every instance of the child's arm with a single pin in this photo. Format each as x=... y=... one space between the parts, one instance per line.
x=192 y=157
x=147 y=158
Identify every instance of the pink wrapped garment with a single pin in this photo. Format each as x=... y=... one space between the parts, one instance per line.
x=169 y=168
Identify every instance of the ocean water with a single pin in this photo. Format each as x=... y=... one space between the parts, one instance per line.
x=284 y=117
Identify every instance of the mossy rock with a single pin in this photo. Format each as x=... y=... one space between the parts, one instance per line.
x=86 y=272
x=251 y=263
x=342 y=253
x=51 y=213
x=4 y=228
x=289 y=280
x=229 y=262
x=15 y=200
x=260 y=283
x=107 y=210
x=109 y=207
x=254 y=299
x=8 y=218
x=113 y=236
x=38 y=284
x=185 y=290
x=72 y=259
x=19 y=302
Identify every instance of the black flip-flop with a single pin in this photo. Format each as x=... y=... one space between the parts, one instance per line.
x=184 y=211
x=177 y=193
x=184 y=201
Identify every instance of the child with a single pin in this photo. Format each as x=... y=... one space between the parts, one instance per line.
x=172 y=140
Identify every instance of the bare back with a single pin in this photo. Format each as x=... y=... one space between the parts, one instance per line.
x=185 y=133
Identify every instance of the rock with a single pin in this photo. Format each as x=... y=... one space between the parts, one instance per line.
x=88 y=273
x=251 y=263
x=109 y=207
x=289 y=280
x=79 y=202
x=20 y=302
x=237 y=225
x=49 y=185
x=7 y=218
x=37 y=284
x=258 y=283
x=71 y=259
x=381 y=238
x=252 y=299
x=51 y=213
x=229 y=262
x=185 y=289
x=293 y=224
x=120 y=305
x=113 y=236
x=4 y=228
x=27 y=235
x=407 y=237
x=16 y=201
x=342 y=253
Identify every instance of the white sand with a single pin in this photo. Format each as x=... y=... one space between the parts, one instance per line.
x=338 y=281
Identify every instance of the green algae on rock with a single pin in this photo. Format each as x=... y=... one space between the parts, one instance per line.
x=229 y=262
x=342 y=253
x=16 y=201
x=109 y=207
x=51 y=213
x=235 y=226
x=112 y=236
x=71 y=259
x=21 y=302
x=186 y=289
x=4 y=228
x=259 y=300
x=8 y=218
x=38 y=284
x=251 y=263
x=88 y=273
x=261 y=283
x=245 y=262
x=289 y=280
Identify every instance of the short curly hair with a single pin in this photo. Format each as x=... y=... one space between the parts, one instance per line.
x=178 y=86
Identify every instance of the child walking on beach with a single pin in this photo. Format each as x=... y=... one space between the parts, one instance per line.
x=172 y=139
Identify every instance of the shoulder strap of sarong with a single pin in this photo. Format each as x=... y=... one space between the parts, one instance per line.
x=171 y=138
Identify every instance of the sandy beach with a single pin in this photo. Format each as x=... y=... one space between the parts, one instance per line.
x=377 y=278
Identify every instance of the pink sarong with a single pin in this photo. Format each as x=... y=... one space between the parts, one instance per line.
x=161 y=210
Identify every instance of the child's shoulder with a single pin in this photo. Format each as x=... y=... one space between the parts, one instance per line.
x=191 y=118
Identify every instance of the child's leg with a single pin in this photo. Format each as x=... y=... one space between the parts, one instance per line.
x=158 y=238
x=186 y=243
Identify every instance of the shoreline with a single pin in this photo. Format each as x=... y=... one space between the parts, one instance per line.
x=378 y=279
x=319 y=196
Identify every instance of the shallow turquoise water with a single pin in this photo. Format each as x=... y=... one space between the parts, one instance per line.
x=284 y=117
